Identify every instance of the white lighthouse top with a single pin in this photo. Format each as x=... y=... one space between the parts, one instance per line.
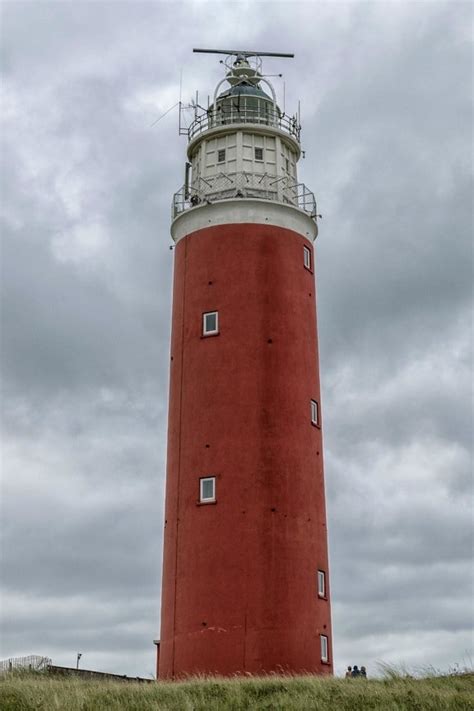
x=243 y=146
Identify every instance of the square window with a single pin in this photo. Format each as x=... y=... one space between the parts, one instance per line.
x=210 y=323
x=324 y=648
x=207 y=489
x=259 y=154
x=321 y=583
x=221 y=155
x=315 y=413
x=307 y=257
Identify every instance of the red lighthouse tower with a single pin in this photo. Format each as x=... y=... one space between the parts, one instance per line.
x=245 y=569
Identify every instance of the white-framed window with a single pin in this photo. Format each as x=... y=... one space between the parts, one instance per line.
x=221 y=155
x=324 y=648
x=258 y=153
x=315 y=413
x=207 y=489
x=321 y=583
x=307 y=257
x=210 y=323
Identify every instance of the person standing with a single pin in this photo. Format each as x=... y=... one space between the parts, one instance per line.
x=355 y=672
x=363 y=672
x=349 y=672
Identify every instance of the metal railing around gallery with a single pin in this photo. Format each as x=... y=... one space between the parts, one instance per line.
x=226 y=186
x=243 y=115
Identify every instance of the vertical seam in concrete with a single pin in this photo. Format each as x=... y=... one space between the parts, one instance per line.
x=179 y=455
x=245 y=628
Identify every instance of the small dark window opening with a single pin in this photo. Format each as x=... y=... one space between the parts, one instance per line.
x=321 y=583
x=221 y=155
x=210 y=323
x=324 y=648
x=259 y=154
x=207 y=489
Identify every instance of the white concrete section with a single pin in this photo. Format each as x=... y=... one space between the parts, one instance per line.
x=265 y=161
x=243 y=211
x=240 y=151
x=262 y=129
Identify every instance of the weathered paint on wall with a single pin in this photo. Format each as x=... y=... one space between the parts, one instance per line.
x=240 y=575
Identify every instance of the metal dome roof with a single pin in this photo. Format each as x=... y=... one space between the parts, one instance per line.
x=244 y=89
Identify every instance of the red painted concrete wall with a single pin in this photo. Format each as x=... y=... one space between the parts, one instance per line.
x=240 y=576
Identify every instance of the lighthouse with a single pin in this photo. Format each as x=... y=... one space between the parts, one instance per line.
x=245 y=587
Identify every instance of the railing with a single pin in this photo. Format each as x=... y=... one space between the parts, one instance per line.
x=33 y=662
x=270 y=117
x=244 y=185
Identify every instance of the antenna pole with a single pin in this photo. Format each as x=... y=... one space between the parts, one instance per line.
x=179 y=102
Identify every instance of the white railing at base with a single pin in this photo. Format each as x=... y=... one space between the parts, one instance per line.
x=225 y=186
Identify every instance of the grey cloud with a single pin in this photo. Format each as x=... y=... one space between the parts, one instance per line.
x=48 y=331
x=419 y=397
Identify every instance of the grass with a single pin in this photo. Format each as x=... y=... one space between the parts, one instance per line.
x=40 y=692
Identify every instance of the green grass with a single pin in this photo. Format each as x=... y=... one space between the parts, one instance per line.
x=38 y=692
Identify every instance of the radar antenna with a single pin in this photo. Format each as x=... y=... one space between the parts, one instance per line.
x=244 y=53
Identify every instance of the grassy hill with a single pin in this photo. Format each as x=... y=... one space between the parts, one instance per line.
x=38 y=692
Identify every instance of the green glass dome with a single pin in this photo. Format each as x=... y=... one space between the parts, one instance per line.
x=245 y=103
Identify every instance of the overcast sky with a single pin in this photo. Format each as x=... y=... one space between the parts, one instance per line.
x=385 y=91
